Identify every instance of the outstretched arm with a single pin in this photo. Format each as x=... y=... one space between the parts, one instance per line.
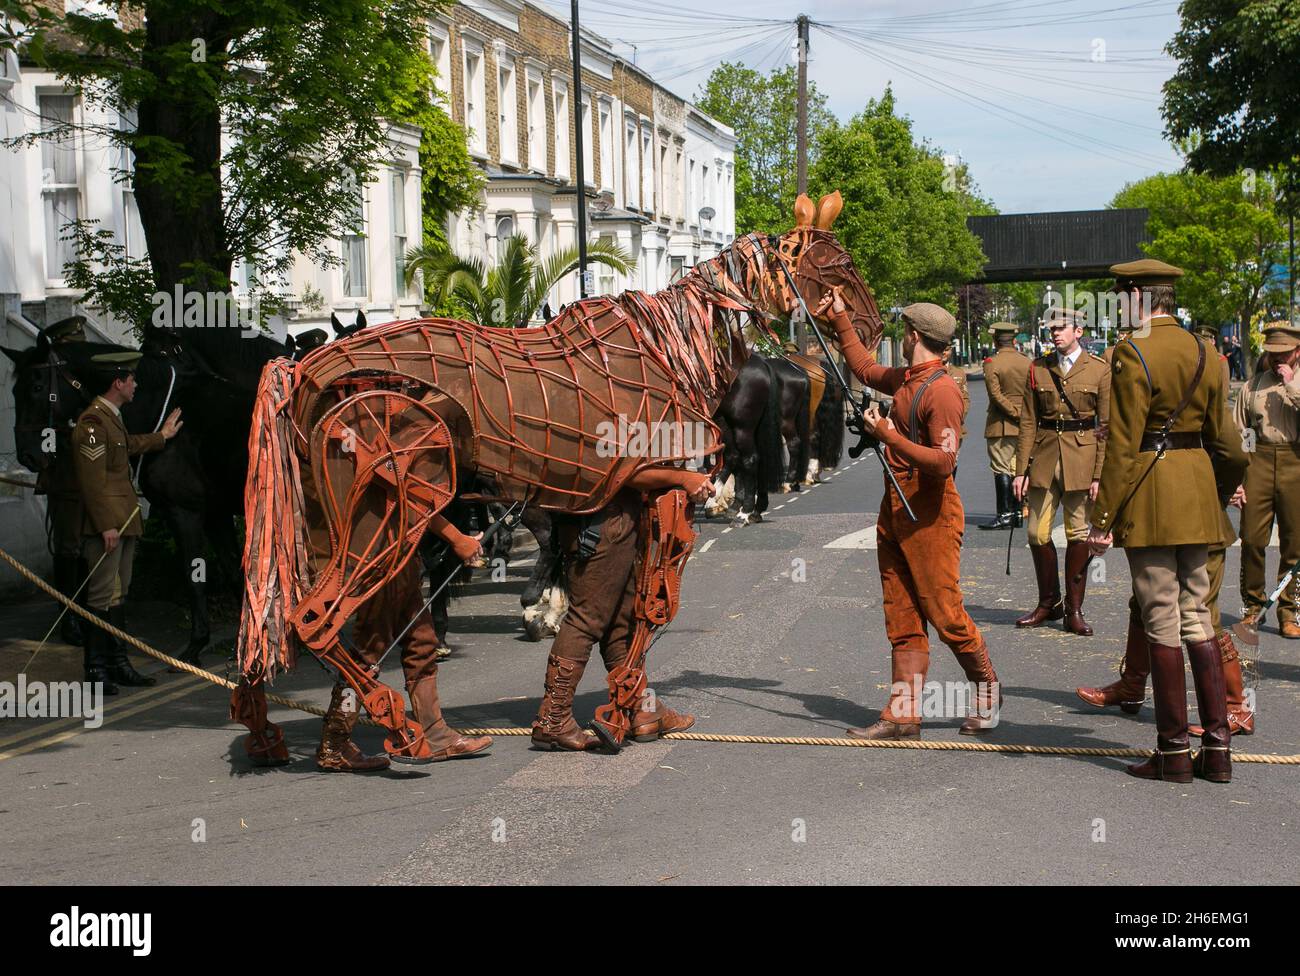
x=697 y=485
x=467 y=548
x=859 y=359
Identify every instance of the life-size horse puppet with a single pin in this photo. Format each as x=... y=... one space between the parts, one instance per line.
x=364 y=440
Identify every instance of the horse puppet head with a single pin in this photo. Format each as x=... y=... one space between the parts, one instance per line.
x=818 y=262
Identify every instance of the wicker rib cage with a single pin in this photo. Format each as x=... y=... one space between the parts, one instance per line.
x=533 y=407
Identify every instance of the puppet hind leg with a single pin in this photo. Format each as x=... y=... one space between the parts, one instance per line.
x=383 y=466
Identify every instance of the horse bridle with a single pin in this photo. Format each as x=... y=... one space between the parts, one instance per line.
x=57 y=369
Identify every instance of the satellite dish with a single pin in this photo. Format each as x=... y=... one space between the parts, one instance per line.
x=707 y=213
x=603 y=202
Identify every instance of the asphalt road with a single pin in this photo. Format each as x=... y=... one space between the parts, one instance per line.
x=764 y=645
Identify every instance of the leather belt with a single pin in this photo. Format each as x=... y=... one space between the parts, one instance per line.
x=1062 y=426
x=1187 y=440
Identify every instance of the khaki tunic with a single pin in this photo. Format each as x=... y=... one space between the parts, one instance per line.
x=1270 y=408
x=959 y=376
x=1175 y=501
x=1078 y=453
x=1006 y=377
x=102 y=449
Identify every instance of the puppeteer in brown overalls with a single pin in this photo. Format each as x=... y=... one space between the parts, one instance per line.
x=920 y=561
x=601 y=554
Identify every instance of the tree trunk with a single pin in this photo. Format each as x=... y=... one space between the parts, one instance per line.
x=183 y=215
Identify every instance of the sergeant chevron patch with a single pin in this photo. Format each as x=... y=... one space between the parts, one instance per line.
x=92 y=453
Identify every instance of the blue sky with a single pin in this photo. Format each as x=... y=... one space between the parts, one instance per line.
x=1054 y=104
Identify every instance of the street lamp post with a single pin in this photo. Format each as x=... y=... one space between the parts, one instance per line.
x=578 y=146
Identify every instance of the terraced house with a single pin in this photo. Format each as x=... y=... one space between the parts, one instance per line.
x=658 y=172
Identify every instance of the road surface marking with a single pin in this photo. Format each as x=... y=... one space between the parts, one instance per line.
x=189 y=684
x=862 y=539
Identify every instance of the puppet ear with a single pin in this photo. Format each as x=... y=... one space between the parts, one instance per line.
x=803 y=211
x=828 y=208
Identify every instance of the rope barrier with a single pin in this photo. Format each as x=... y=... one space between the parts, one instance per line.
x=20 y=482
x=933 y=745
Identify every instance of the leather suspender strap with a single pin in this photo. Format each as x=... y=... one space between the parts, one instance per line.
x=916 y=403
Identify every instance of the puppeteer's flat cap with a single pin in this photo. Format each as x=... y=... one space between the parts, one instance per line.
x=1004 y=327
x=1147 y=271
x=930 y=320
x=1281 y=337
x=71 y=329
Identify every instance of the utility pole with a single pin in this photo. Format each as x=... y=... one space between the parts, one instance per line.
x=799 y=334
x=801 y=150
x=579 y=136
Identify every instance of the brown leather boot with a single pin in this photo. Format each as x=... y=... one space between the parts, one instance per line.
x=885 y=729
x=648 y=726
x=1241 y=720
x=1172 y=759
x=1131 y=689
x=1076 y=582
x=444 y=741
x=337 y=752
x=988 y=694
x=1214 y=761
x=555 y=728
x=1049 y=587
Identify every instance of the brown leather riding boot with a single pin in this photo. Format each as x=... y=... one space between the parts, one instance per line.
x=648 y=726
x=444 y=741
x=1076 y=582
x=988 y=694
x=1131 y=689
x=1049 y=587
x=1172 y=759
x=337 y=752
x=1214 y=761
x=555 y=728
x=1241 y=720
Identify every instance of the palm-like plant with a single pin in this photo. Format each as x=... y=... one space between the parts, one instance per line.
x=512 y=292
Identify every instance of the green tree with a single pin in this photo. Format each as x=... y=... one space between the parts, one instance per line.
x=255 y=121
x=762 y=109
x=1227 y=235
x=1232 y=98
x=510 y=293
x=905 y=207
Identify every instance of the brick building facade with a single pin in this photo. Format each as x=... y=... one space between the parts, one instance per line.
x=658 y=173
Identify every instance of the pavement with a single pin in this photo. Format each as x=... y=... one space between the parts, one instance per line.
x=780 y=633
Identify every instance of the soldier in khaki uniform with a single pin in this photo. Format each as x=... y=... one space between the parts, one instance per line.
x=1129 y=692
x=111 y=524
x=1006 y=377
x=959 y=377
x=1211 y=336
x=1268 y=416
x=1058 y=463
x=1169 y=456
x=63 y=502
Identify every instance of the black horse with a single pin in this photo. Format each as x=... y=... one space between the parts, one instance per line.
x=196 y=483
x=749 y=418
